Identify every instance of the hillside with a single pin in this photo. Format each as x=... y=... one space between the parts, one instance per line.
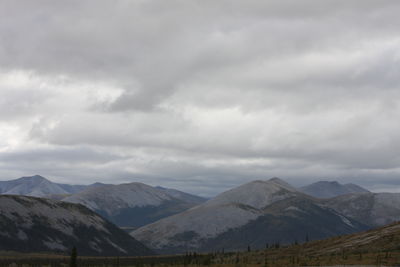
x=378 y=247
x=30 y=224
x=374 y=209
x=289 y=221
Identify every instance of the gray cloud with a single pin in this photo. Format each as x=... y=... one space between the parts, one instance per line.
x=194 y=94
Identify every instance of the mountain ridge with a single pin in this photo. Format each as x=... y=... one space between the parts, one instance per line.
x=31 y=224
x=134 y=204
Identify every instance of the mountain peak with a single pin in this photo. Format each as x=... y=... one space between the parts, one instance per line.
x=328 y=189
x=257 y=194
x=34 y=178
x=330 y=182
x=36 y=185
x=283 y=183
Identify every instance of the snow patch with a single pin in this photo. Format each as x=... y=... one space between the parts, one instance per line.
x=116 y=246
x=95 y=246
x=293 y=208
x=346 y=221
x=54 y=244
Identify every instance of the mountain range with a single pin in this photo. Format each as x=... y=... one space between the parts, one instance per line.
x=254 y=214
x=266 y=212
x=127 y=205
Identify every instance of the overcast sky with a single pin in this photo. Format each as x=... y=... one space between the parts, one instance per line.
x=201 y=95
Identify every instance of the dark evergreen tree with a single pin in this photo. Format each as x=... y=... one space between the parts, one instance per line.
x=73 y=258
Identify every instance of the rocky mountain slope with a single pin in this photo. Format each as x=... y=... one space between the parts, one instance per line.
x=296 y=219
x=134 y=204
x=29 y=224
x=255 y=213
x=329 y=189
x=374 y=209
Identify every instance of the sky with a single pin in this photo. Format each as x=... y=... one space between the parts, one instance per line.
x=201 y=95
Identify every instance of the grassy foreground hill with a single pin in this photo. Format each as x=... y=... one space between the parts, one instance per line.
x=379 y=246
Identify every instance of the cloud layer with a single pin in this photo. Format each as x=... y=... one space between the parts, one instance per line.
x=200 y=95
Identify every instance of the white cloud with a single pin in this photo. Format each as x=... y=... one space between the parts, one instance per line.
x=206 y=94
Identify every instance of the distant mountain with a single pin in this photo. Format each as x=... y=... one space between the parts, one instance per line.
x=30 y=224
x=374 y=209
x=31 y=186
x=134 y=204
x=254 y=214
x=38 y=186
x=329 y=189
x=128 y=205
